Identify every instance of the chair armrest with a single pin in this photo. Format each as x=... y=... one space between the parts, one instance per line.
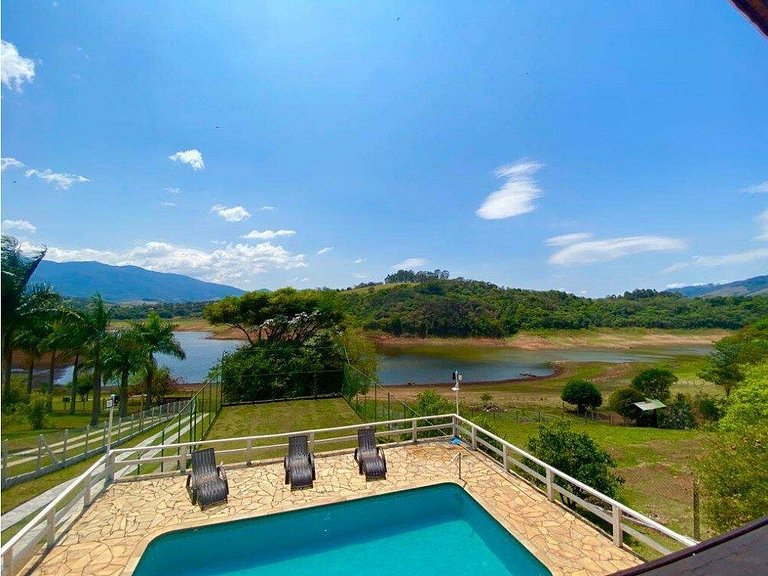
x=383 y=458
x=357 y=450
x=223 y=475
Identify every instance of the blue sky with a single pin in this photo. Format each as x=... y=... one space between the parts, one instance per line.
x=595 y=149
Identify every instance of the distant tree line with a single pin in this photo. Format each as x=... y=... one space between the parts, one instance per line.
x=164 y=310
x=412 y=276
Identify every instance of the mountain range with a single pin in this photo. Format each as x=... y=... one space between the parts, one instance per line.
x=126 y=283
x=748 y=287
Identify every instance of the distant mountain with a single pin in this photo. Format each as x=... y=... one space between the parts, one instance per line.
x=748 y=287
x=126 y=283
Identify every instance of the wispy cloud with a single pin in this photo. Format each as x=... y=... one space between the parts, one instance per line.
x=172 y=190
x=10 y=163
x=516 y=194
x=361 y=260
x=762 y=219
x=360 y=275
x=566 y=239
x=757 y=188
x=609 y=249
x=325 y=250
x=15 y=70
x=168 y=204
x=268 y=234
x=238 y=264
x=19 y=225
x=266 y=208
x=61 y=180
x=231 y=214
x=411 y=263
x=191 y=157
x=745 y=257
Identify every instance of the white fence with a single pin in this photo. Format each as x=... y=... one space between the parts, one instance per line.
x=56 y=451
x=55 y=518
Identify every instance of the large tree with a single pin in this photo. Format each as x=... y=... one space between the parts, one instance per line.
x=654 y=383
x=125 y=352
x=71 y=335
x=96 y=320
x=22 y=302
x=157 y=337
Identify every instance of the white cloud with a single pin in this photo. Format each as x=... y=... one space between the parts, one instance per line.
x=168 y=204
x=20 y=225
x=267 y=234
x=361 y=260
x=325 y=250
x=238 y=264
x=757 y=188
x=191 y=157
x=516 y=194
x=266 y=208
x=613 y=248
x=172 y=190
x=15 y=70
x=10 y=163
x=762 y=219
x=566 y=239
x=722 y=260
x=231 y=214
x=61 y=180
x=360 y=275
x=411 y=263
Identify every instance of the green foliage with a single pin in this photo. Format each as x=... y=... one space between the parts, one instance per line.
x=678 y=415
x=430 y=403
x=420 y=276
x=576 y=454
x=707 y=408
x=622 y=401
x=37 y=409
x=363 y=361
x=437 y=306
x=582 y=394
x=486 y=399
x=654 y=383
x=733 y=477
x=748 y=404
x=726 y=364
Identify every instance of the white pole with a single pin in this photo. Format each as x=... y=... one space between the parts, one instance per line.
x=109 y=434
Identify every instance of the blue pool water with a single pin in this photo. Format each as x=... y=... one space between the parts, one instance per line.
x=434 y=531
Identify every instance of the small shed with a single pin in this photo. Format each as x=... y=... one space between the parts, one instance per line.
x=650 y=405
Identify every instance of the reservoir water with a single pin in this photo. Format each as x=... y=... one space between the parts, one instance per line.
x=424 y=364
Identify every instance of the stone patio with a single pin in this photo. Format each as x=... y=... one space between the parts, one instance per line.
x=112 y=534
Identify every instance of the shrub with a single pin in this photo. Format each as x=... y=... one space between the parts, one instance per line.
x=581 y=393
x=430 y=402
x=623 y=400
x=707 y=408
x=654 y=383
x=576 y=454
x=678 y=415
x=17 y=398
x=748 y=404
x=37 y=409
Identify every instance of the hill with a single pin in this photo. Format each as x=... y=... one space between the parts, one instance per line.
x=748 y=287
x=126 y=283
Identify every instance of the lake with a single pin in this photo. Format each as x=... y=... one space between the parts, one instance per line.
x=424 y=364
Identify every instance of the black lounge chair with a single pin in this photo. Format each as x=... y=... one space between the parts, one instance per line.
x=299 y=464
x=207 y=483
x=369 y=457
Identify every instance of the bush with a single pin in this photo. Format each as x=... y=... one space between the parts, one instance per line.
x=623 y=400
x=581 y=393
x=707 y=408
x=748 y=404
x=654 y=383
x=37 y=409
x=17 y=398
x=678 y=415
x=576 y=454
x=430 y=403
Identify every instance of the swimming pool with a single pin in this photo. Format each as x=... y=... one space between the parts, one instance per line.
x=434 y=531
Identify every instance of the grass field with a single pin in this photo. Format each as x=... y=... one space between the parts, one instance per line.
x=275 y=417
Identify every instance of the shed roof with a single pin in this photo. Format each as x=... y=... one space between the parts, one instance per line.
x=647 y=405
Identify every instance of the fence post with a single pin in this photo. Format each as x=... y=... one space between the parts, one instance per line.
x=550 y=487
x=50 y=527
x=104 y=435
x=64 y=449
x=414 y=433
x=8 y=561
x=456 y=426
x=183 y=460
x=87 y=433
x=474 y=437
x=110 y=467
x=87 y=492
x=618 y=537
x=249 y=452
x=39 y=451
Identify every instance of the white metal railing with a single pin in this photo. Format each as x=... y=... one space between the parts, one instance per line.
x=611 y=511
x=45 y=526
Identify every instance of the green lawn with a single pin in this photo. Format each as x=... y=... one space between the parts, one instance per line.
x=275 y=417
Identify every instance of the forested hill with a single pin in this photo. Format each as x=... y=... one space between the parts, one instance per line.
x=748 y=287
x=442 y=307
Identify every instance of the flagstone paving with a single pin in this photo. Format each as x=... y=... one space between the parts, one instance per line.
x=110 y=537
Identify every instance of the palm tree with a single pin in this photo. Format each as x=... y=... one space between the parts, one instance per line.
x=158 y=337
x=21 y=303
x=125 y=352
x=29 y=339
x=71 y=335
x=96 y=321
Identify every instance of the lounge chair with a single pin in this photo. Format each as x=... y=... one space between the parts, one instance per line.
x=369 y=457
x=207 y=483
x=299 y=464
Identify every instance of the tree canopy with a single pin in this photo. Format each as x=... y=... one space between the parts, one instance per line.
x=654 y=383
x=582 y=394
